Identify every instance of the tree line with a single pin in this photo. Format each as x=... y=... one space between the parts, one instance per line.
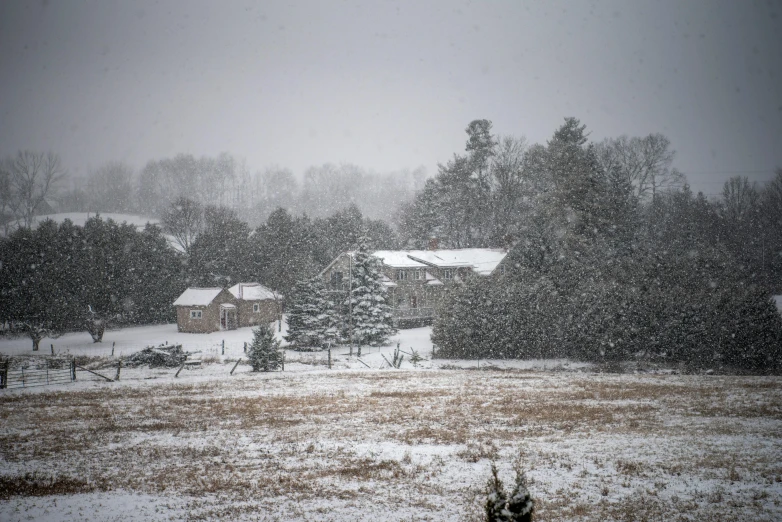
x=611 y=255
x=34 y=183
x=62 y=277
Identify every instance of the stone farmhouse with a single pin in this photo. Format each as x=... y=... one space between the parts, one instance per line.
x=417 y=280
x=205 y=310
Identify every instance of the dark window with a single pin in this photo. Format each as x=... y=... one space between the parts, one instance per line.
x=336 y=278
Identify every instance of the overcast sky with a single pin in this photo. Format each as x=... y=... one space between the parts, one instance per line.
x=388 y=85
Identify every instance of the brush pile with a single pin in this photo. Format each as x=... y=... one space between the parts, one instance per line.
x=163 y=356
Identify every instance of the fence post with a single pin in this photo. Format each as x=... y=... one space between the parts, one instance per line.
x=245 y=347
x=329 y=357
x=235 y=365
x=283 y=360
x=73 y=369
x=223 y=347
x=47 y=368
x=52 y=346
x=119 y=367
x=4 y=375
x=112 y=348
x=179 y=370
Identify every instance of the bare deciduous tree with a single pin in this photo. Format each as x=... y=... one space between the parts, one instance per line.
x=646 y=162
x=33 y=178
x=739 y=199
x=6 y=199
x=110 y=188
x=184 y=220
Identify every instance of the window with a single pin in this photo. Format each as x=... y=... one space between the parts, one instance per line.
x=401 y=275
x=256 y=308
x=417 y=275
x=336 y=278
x=447 y=274
x=195 y=314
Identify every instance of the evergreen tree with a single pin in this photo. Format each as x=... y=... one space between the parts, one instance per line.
x=311 y=319
x=264 y=353
x=496 y=498
x=283 y=249
x=501 y=507
x=371 y=315
x=220 y=255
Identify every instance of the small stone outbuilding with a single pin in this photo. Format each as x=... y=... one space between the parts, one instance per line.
x=205 y=310
x=257 y=304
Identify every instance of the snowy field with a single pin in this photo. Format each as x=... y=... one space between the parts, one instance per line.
x=376 y=443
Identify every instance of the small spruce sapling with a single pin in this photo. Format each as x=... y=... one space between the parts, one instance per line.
x=415 y=357
x=496 y=499
x=501 y=507
x=264 y=351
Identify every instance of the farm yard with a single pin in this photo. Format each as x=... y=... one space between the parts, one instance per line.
x=378 y=443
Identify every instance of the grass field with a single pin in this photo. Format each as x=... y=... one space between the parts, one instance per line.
x=392 y=445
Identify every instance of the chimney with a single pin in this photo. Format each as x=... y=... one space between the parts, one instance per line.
x=433 y=243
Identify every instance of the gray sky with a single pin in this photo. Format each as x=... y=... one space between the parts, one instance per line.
x=388 y=85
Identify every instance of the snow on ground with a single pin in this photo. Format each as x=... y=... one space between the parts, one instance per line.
x=128 y=340
x=358 y=443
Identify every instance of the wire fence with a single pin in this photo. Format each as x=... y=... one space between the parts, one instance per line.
x=38 y=372
x=227 y=349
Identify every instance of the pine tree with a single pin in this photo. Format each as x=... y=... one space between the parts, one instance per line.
x=371 y=315
x=311 y=320
x=501 y=507
x=521 y=506
x=264 y=353
x=496 y=499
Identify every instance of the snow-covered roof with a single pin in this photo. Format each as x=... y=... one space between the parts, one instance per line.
x=197 y=296
x=778 y=300
x=483 y=261
x=386 y=281
x=398 y=258
x=253 y=292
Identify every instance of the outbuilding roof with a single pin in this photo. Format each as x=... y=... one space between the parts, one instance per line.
x=197 y=296
x=253 y=292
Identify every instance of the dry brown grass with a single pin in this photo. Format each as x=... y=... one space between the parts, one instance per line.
x=255 y=439
x=37 y=484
